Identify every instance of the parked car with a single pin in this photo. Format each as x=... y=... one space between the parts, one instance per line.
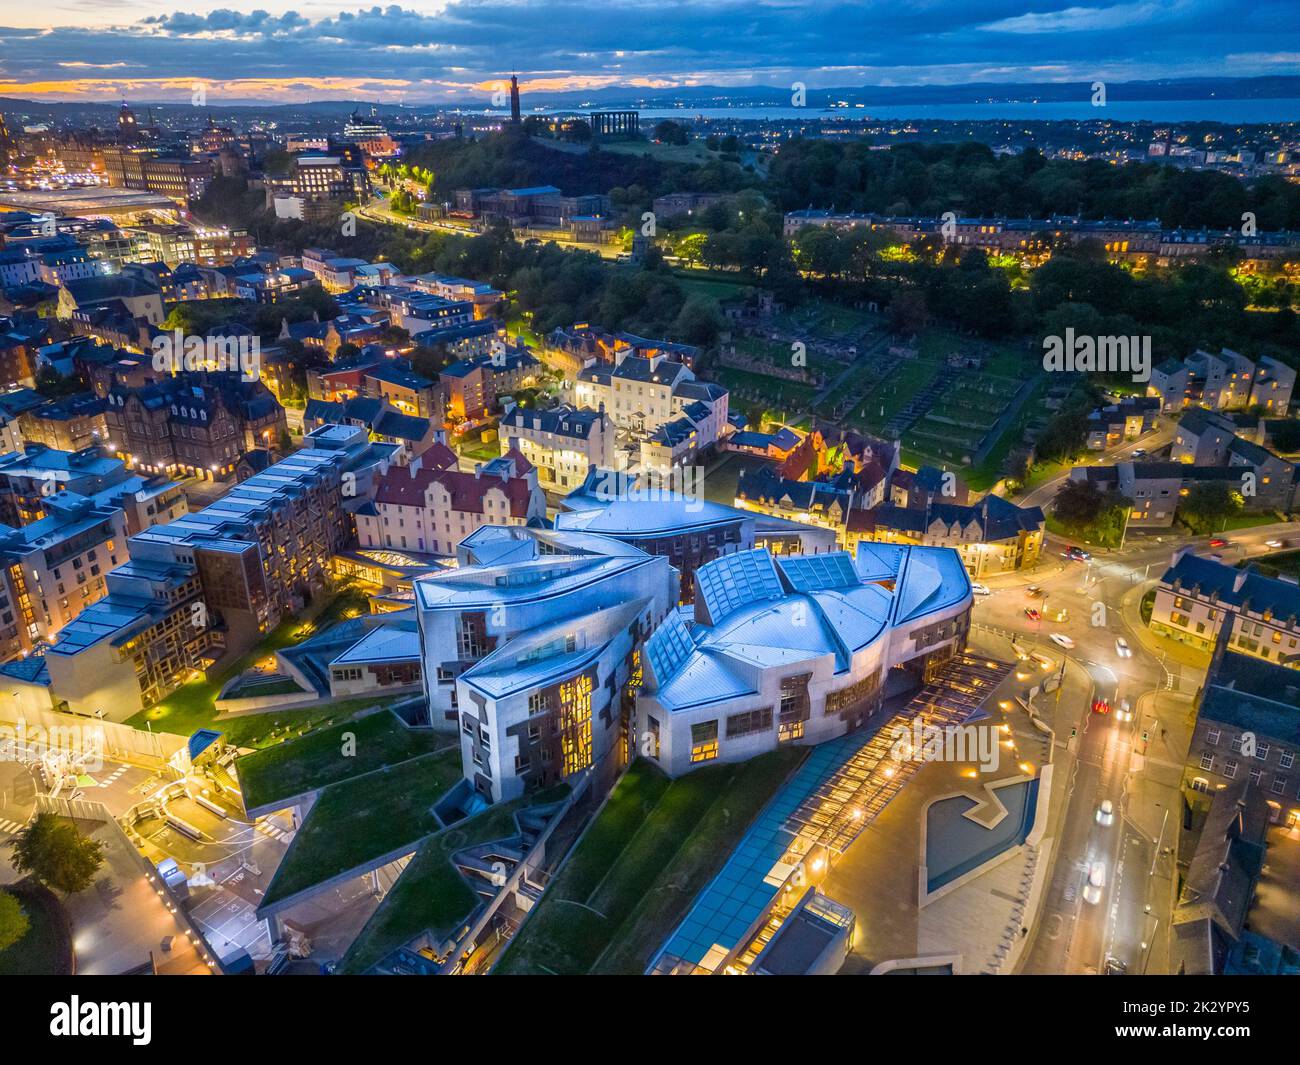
x=1218 y=541
x=1061 y=640
x=1032 y=614
x=1138 y=453
x=981 y=589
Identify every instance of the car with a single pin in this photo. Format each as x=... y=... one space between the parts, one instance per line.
x=1061 y=640
x=1106 y=812
x=981 y=589
x=1122 y=648
x=1115 y=967
x=1101 y=706
x=1033 y=591
x=1075 y=554
x=1032 y=614
x=1096 y=883
x=1138 y=452
x=1275 y=543
x=1124 y=713
x=1218 y=541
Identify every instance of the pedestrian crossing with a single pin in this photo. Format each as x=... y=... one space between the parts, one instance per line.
x=11 y=828
x=272 y=831
x=113 y=776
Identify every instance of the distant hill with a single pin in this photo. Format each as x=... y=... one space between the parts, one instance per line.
x=1274 y=87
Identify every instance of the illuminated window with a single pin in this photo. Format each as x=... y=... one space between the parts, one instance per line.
x=704 y=741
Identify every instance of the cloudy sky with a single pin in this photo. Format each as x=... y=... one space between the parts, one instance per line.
x=456 y=50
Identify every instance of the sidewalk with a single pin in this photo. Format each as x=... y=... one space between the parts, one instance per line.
x=1160 y=646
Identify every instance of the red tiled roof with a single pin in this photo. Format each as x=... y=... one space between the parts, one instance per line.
x=438 y=456
x=399 y=487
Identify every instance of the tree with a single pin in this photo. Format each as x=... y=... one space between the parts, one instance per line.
x=1079 y=504
x=13 y=922
x=1208 y=506
x=670 y=132
x=56 y=854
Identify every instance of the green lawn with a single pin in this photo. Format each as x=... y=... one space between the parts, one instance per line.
x=1278 y=564
x=640 y=864
x=258 y=731
x=1250 y=520
x=327 y=756
x=431 y=895
x=359 y=819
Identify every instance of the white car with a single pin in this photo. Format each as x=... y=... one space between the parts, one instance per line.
x=1061 y=640
x=1106 y=813
x=1122 y=648
x=1124 y=713
x=1272 y=543
x=981 y=589
x=1096 y=883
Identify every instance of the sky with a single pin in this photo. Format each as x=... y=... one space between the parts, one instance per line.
x=457 y=50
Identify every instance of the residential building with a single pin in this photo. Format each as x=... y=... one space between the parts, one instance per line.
x=212 y=582
x=991 y=536
x=1197 y=596
x=55 y=567
x=1248 y=731
x=431 y=506
x=563 y=442
x=1111 y=425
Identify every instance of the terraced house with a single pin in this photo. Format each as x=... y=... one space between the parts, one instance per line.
x=1198 y=596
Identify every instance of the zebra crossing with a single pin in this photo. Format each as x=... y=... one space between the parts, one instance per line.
x=10 y=828
x=273 y=831
x=113 y=776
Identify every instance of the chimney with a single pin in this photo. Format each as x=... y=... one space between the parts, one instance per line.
x=1239 y=580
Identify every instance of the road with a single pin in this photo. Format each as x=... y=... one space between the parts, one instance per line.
x=377 y=210
x=1136 y=764
x=1152 y=442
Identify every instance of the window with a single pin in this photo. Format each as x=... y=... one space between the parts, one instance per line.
x=704 y=741
x=1261 y=750
x=1256 y=775
x=1279 y=785
x=749 y=722
x=1212 y=737
x=1230 y=768
x=1207 y=762
x=1286 y=759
